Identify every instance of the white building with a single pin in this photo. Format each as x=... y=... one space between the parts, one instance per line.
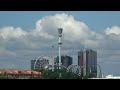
x=108 y=77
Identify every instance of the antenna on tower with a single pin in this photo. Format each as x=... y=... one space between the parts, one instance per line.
x=53 y=58
x=59 y=43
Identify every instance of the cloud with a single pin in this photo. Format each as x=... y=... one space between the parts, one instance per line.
x=73 y=30
x=18 y=42
x=24 y=46
x=46 y=32
x=113 y=30
x=11 y=32
x=4 y=53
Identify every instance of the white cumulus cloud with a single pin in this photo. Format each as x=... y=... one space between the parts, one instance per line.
x=73 y=30
x=113 y=30
x=17 y=42
x=11 y=32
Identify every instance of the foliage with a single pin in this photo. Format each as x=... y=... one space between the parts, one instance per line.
x=63 y=74
x=59 y=74
x=3 y=75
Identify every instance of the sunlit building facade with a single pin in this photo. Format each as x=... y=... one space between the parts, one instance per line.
x=87 y=60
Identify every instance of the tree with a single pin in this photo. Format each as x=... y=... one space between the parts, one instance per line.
x=3 y=75
x=59 y=74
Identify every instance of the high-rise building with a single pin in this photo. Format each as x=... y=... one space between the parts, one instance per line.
x=87 y=60
x=65 y=60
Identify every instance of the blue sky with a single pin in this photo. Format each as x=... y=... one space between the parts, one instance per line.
x=96 y=20
x=25 y=35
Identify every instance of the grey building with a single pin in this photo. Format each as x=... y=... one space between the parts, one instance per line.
x=87 y=60
x=32 y=64
x=65 y=60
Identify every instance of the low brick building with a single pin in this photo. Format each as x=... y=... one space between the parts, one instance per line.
x=19 y=74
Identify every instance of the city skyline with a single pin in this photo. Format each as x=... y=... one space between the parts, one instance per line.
x=25 y=35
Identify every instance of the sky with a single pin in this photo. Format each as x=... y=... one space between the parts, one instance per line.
x=25 y=35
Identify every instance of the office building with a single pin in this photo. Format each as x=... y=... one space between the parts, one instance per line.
x=87 y=60
x=65 y=60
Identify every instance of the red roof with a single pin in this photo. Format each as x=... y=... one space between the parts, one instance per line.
x=19 y=72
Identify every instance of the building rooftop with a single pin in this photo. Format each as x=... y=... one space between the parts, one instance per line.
x=19 y=71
